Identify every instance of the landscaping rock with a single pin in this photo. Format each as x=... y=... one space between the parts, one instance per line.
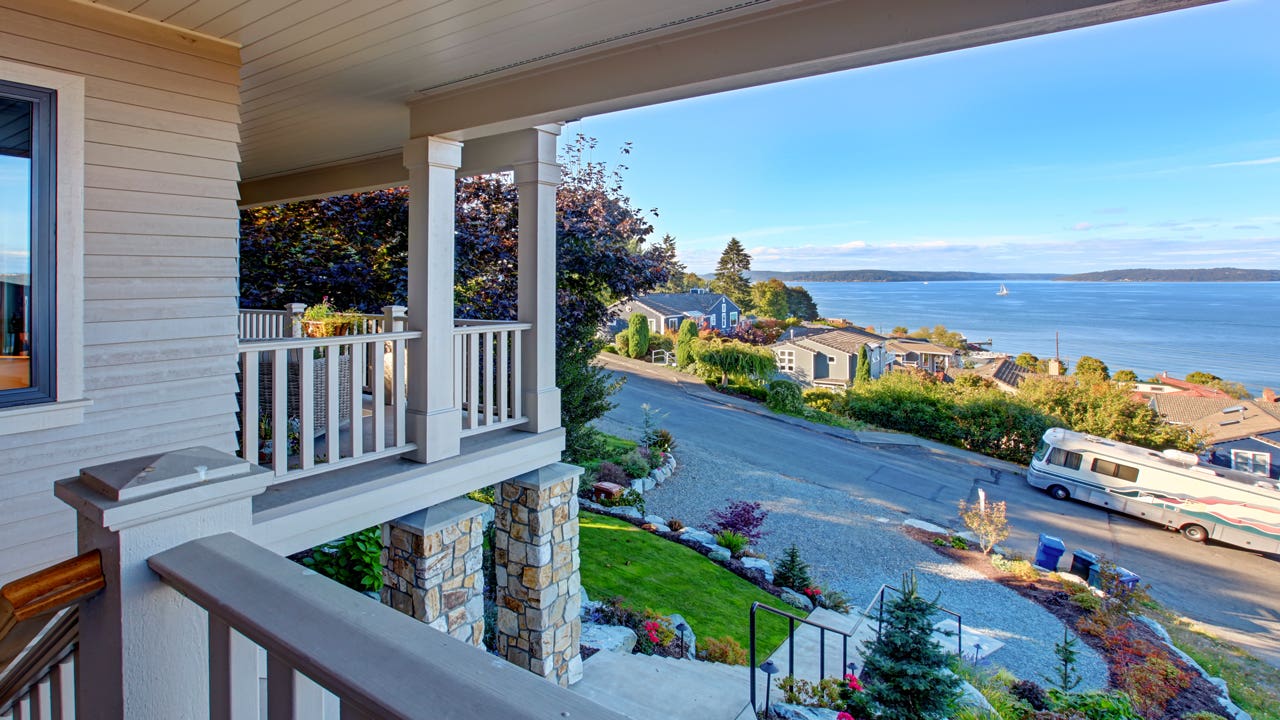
x=584 y=504
x=610 y=638
x=661 y=528
x=701 y=537
x=720 y=555
x=970 y=697
x=759 y=564
x=690 y=639
x=642 y=485
x=795 y=599
x=925 y=526
x=627 y=511
x=655 y=519
x=800 y=712
x=1230 y=709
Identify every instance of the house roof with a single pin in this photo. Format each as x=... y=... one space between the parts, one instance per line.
x=1206 y=415
x=1003 y=371
x=680 y=303
x=1190 y=389
x=915 y=345
x=847 y=341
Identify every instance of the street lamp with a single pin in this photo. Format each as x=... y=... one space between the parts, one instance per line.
x=683 y=628
x=769 y=670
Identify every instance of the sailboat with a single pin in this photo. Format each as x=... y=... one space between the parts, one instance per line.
x=1003 y=290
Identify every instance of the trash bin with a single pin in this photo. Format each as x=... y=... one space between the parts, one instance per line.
x=1082 y=563
x=1127 y=578
x=1049 y=552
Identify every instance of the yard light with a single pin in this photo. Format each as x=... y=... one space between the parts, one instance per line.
x=683 y=628
x=769 y=670
x=852 y=668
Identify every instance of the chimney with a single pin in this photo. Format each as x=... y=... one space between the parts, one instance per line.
x=1269 y=395
x=1054 y=366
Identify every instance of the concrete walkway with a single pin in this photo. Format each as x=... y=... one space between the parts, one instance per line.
x=644 y=687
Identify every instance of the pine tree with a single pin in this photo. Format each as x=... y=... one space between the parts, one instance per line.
x=792 y=571
x=731 y=274
x=905 y=667
x=862 y=374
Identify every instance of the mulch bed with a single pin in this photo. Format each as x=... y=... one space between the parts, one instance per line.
x=1201 y=695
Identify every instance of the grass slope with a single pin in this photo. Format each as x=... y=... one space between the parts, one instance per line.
x=620 y=559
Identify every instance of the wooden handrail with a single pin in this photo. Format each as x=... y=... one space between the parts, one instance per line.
x=26 y=604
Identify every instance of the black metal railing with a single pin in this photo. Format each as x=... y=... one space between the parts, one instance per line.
x=880 y=620
x=791 y=645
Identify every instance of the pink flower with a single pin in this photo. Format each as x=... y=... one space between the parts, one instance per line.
x=844 y=716
x=853 y=682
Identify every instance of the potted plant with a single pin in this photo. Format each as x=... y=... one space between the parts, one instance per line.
x=322 y=320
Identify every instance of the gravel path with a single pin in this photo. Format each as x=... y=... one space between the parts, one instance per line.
x=854 y=547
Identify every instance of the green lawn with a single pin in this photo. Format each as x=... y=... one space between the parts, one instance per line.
x=619 y=558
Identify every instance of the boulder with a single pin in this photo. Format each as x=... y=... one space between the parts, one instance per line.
x=642 y=485
x=800 y=712
x=690 y=639
x=609 y=638
x=661 y=528
x=759 y=564
x=627 y=511
x=970 y=697
x=595 y=507
x=796 y=600
x=700 y=537
x=720 y=555
x=655 y=519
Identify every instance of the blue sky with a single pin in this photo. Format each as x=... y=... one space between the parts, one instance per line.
x=1153 y=142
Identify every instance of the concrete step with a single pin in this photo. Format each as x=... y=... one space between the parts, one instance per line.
x=644 y=687
x=807 y=641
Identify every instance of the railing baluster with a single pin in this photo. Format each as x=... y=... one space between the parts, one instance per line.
x=357 y=402
x=504 y=376
x=822 y=653
x=233 y=673
x=306 y=407
x=751 y=662
x=42 y=694
x=280 y=705
x=398 y=378
x=473 y=381
x=490 y=358
x=249 y=410
x=377 y=371
x=64 y=688
x=280 y=411
x=791 y=646
x=332 y=436
x=517 y=375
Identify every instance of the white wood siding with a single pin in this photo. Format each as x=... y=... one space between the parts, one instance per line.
x=160 y=273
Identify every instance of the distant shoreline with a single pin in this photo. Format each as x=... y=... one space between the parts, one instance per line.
x=1189 y=275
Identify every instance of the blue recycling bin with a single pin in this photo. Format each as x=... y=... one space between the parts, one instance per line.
x=1049 y=551
x=1083 y=564
x=1127 y=579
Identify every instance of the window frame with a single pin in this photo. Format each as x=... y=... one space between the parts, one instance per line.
x=1252 y=461
x=1117 y=469
x=66 y=403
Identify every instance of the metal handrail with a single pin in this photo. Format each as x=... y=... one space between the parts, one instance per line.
x=956 y=615
x=791 y=647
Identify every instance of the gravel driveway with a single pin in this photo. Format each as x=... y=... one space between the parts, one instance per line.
x=854 y=546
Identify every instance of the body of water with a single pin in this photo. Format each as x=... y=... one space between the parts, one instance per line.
x=1229 y=329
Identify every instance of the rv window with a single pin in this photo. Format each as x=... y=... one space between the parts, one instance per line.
x=1065 y=458
x=1042 y=450
x=1124 y=472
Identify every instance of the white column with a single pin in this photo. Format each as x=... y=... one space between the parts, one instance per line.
x=536 y=182
x=144 y=649
x=434 y=424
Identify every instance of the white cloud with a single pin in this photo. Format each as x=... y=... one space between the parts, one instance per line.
x=1241 y=163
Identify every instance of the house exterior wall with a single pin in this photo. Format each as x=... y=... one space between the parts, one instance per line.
x=1222 y=451
x=160 y=257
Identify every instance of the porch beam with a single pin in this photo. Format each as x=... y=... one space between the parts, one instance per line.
x=434 y=422
x=537 y=176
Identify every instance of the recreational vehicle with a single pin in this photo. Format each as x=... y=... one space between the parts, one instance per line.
x=1171 y=488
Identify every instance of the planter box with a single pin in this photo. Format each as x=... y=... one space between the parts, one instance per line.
x=320 y=394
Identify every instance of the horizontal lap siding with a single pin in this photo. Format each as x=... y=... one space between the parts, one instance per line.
x=160 y=268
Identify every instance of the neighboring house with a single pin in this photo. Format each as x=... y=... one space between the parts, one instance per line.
x=921 y=354
x=1002 y=371
x=829 y=359
x=139 y=130
x=1241 y=434
x=1164 y=384
x=666 y=311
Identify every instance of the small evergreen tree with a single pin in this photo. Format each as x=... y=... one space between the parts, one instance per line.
x=731 y=274
x=684 y=343
x=905 y=667
x=638 y=335
x=863 y=373
x=1068 y=679
x=792 y=571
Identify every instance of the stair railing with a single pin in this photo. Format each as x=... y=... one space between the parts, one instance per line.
x=791 y=646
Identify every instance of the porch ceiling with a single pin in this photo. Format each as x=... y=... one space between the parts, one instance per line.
x=327 y=83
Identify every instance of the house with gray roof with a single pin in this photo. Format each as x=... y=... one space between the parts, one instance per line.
x=922 y=354
x=829 y=359
x=666 y=311
x=1241 y=434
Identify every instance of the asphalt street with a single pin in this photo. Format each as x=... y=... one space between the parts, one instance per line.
x=1235 y=594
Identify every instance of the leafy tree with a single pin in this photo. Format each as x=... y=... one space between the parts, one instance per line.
x=730 y=358
x=769 y=299
x=1201 y=378
x=1106 y=410
x=862 y=374
x=731 y=274
x=637 y=335
x=683 y=282
x=906 y=669
x=1121 y=376
x=800 y=304
x=685 y=339
x=1028 y=361
x=1234 y=389
x=1091 y=369
x=940 y=335
x=899 y=331
x=792 y=571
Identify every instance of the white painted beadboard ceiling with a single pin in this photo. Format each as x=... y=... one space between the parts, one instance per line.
x=327 y=80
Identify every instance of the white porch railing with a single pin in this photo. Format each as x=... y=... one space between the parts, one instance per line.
x=487 y=385
x=315 y=404
x=264 y=324
x=379 y=662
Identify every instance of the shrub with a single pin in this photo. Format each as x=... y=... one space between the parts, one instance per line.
x=675 y=524
x=722 y=650
x=734 y=542
x=834 y=600
x=651 y=457
x=1086 y=600
x=654 y=634
x=622 y=341
x=824 y=400
x=638 y=339
x=987 y=520
x=959 y=543
x=663 y=441
x=1068 y=679
x=1093 y=705
x=684 y=343
x=634 y=464
x=742 y=517
x=792 y=571
x=661 y=342
x=784 y=396
x=354 y=561
x=1199 y=714
x=629 y=497
x=824 y=694
x=1030 y=692
x=1020 y=569
x=611 y=348
x=609 y=472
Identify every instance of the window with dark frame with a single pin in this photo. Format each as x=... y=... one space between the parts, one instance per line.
x=1065 y=458
x=27 y=244
x=1116 y=470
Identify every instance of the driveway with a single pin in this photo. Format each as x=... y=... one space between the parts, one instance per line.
x=1235 y=594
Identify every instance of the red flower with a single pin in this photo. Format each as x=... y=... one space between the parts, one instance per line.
x=844 y=716
x=652 y=628
x=853 y=683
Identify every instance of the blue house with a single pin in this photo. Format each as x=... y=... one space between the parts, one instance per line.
x=711 y=311
x=1243 y=435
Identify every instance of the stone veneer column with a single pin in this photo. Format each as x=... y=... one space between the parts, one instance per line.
x=431 y=567
x=536 y=567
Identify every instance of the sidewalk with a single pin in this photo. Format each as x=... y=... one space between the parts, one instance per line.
x=695 y=387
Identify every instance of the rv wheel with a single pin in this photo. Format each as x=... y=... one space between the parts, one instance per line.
x=1195 y=533
x=1058 y=492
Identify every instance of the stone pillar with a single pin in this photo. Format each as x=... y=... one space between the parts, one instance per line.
x=144 y=648
x=537 y=176
x=536 y=566
x=432 y=567
x=434 y=424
